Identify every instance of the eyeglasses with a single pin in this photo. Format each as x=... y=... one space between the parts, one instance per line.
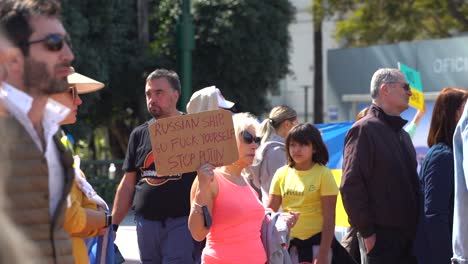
x=53 y=42
x=249 y=138
x=73 y=92
x=405 y=86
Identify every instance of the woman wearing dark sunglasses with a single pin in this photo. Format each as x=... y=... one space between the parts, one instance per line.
x=86 y=215
x=225 y=209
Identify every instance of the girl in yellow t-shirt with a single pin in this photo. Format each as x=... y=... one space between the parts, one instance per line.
x=307 y=186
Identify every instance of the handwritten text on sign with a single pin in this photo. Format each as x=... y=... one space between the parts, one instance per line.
x=183 y=143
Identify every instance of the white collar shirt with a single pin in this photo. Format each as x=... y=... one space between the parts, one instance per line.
x=18 y=104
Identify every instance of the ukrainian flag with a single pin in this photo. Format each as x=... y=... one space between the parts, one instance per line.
x=333 y=135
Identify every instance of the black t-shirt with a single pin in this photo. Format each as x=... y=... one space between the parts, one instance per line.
x=156 y=198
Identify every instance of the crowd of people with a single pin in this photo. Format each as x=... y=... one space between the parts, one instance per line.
x=51 y=214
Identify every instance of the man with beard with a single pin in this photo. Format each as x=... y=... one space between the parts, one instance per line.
x=40 y=174
x=161 y=204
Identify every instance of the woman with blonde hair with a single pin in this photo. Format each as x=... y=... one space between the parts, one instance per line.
x=271 y=155
x=225 y=208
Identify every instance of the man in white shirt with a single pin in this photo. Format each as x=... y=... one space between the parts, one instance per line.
x=37 y=187
x=14 y=247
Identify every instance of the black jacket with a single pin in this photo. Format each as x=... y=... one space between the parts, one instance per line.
x=380 y=181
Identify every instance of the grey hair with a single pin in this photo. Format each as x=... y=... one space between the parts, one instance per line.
x=381 y=76
x=277 y=116
x=244 y=121
x=171 y=76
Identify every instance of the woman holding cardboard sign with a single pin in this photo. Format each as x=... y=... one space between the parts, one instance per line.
x=225 y=209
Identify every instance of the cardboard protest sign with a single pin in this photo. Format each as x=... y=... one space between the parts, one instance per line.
x=183 y=143
x=414 y=79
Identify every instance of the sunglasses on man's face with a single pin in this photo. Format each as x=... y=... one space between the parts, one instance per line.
x=53 y=42
x=73 y=92
x=405 y=86
x=249 y=138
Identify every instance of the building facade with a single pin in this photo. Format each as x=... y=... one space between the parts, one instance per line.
x=347 y=72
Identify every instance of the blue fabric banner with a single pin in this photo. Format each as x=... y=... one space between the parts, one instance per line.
x=333 y=135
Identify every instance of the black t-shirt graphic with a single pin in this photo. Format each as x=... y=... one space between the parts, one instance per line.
x=156 y=198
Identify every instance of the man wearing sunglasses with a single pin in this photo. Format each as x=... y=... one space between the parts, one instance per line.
x=379 y=186
x=161 y=203
x=40 y=175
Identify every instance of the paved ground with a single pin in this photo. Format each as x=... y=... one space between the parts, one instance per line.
x=127 y=240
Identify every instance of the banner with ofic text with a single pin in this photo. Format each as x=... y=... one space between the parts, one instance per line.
x=183 y=143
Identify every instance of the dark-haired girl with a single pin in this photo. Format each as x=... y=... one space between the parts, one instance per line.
x=307 y=186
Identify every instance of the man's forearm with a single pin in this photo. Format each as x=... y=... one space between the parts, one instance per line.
x=122 y=203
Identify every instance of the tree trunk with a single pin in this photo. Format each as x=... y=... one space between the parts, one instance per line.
x=143 y=37
x=118 y=139
x=143 y=27
x=318 y=75
x=92 y=146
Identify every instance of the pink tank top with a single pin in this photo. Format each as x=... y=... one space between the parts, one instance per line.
x=234 y=236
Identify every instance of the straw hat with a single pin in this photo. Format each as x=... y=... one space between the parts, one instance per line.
x=83 y=83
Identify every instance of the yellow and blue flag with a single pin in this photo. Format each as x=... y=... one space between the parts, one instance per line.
x=334 y=135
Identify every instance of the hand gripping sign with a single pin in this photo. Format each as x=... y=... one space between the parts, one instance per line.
x=181 y=144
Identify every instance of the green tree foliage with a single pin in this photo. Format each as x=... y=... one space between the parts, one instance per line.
x=241 y=46
x=388 y=21
x=105 y=43
x=320 y=11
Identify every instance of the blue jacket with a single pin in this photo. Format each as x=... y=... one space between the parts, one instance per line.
x=434 y=237
x=460 y=217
